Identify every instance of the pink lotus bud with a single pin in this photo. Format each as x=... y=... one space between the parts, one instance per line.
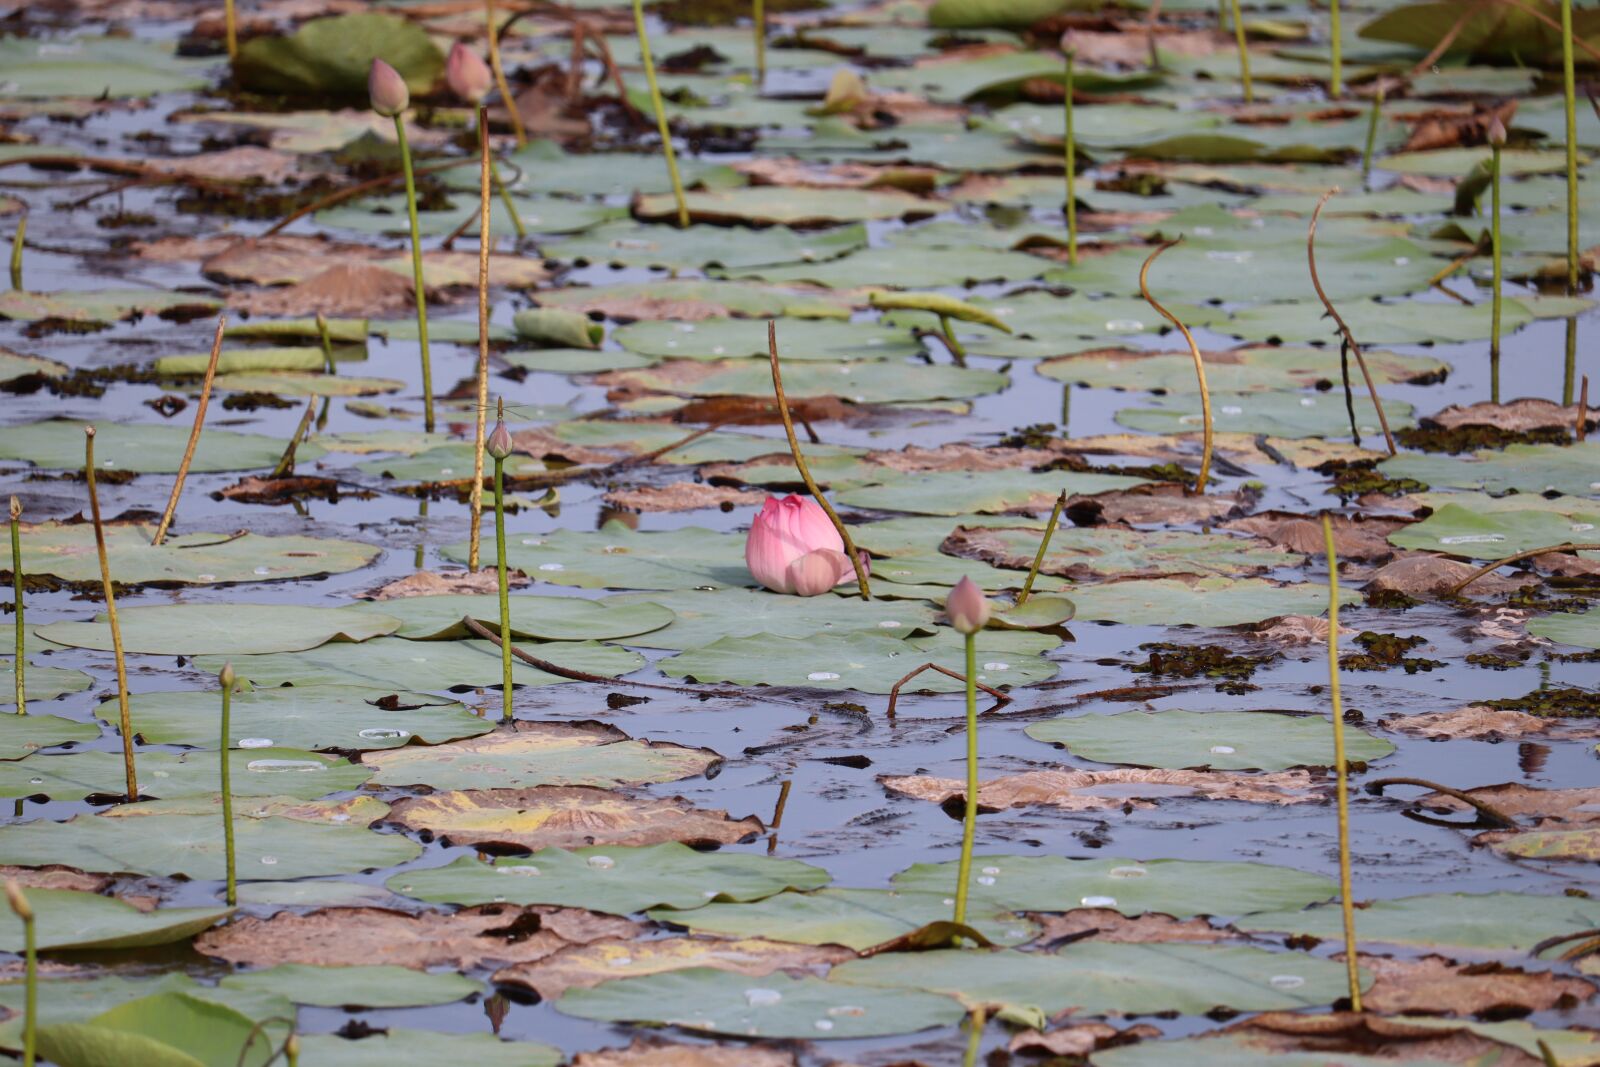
x=817 y=572
x=387 y=90
x=783 y=532
x=467 y=74
x=499 y=445
x=967 y=608
x=1497 y=132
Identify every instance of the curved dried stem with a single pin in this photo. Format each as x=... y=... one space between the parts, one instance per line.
x=1344 y=329
x=805 y=472
x=493 y=33
x=484 y=164
x=1489 y=816
x=125 y=719
x=1490 y=568
x=194 y=434
x=1341 y=769
x=1199 y=364
x=894 y=690
x=1587 y=937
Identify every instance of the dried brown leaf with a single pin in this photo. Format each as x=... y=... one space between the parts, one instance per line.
x=652 y=1052
x=794 y=172
x=683 y=496
x=1433 y=985
x=1487 y=724
x=1080 y=1039
x=1167 y=505
x=1424 y=574
x=588 y=965
x=1105 y=790
x=1573 y=806
x=245 y=163
x=55 y=876
x=1516 y=416
x=345 y=290
x=1354 y=537
x=433 y=583
x=1108 y=924
x=1370 y=1034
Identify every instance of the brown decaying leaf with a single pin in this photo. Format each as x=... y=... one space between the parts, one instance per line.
x=245 y=163
x=1516 y=416
x=683 y=496
x=1487 y=724
x=1354 y=537
x=794 y=172
x=55 y=876
x=472 y=937
x=1436 y=986
x=1080 y=1039
x=1572 y=806
x=433 y=583
x=566 y=817
x=1107 y=924
x=1168 y=505
x=582 y=966
x=1132 y=49
x=1296 y=630
x=1423 y=575
x=652 y=1052
x=1367 y=1033
x=1449 y=128
x=542 y=444
x=345 y=290
x=253 y=490
x=1106 y=790
x=763 y=411
x=960 y=457
x=990 y=545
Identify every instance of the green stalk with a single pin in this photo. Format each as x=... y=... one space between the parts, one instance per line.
x=1336 y=79
x=16 y=592
x=1244 y=54
x=500 y=186
x=30 y=1010
x=759 y=11
x=1044 y=546
x=16 y=252
x=230 y=23
x=505 y=589
x=1341 y=770
x=1569 y=88
x=974 y=1037
x=1372 y=135
x=661 y=114
x=1570 y=374
x=327 y=344
x=226 y=678
x=1494 y=313
x=958 y=352
x=969 y=819
x=416 y=272
x=1072 y=172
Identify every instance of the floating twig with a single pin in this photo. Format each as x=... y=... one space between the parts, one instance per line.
x=1044 y=546
x=1490 y=568
x=16 y=594
x=894 y=690
x=194 y=433
x=1341 y=770
x=805 y=472
x=226 y=678
x=661 y=114
x=475 y=526
x=1194 y=350
x=326 y=339
x=125 y=718
x=1489 y=816
x=777 y=814
x=1344 y=330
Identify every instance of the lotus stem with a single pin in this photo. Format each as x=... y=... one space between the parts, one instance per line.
x=416 y=271
x=1336 y=47
x=16 y=594
x=230 y=25
x=1044 y=546
x=1070 y=147
x=1581 y=431
x=16 y=251
x=286 y=461
x=1344 y=329
x=1569 y=95
x=1372 y=134
x=958 y=352
x=487 y=163
x=974 y=1037
x=194 y=433
x=1244 y=53
x=661 y=114
x=476 y=521
x=805 y=472
x=777 y=814
x=759 y=15
x=1341 y=770
x=1494 y=313
x=505 y=585
x=1194 y=350
x=492 y=28
x=30 y=949
x=125 y=719
x=1518 y=557
x=422 y=513
x=969 y=817
x=327 y=344
x=1568 y=376
x=226 y=678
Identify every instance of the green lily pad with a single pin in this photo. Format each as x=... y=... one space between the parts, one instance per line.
x=342 y=717
x=1460 y=531
x=905 y=268
x=710 y=295
x=39 y=683
x=257 y=360
x=558 y=328
x=14 y=365
x=1394 y=322
x=718 y=447
x=706 y=999
x=1292 y=415
x=855 y=918
x=632 y=244
x=436 y=666
x=1582 y=631
x=330 y=57
x=260 y=772
x=1174 y=887
x=619 y=558
x=960 y=492
x=1517 y=468
x=101 y=305
x=784 y=205
x=66 y=1000
x=396 y=1045
x=387 y=215
x=1110 y=552
x=447 y=463
x=57 y=444
x=112 y=67
x=670 y=876
x=306 y=383
x=1203 y=602
x=221 y=629
x=191 y=845
x=22 y=734
x=1498 y=922
x=1243 y=370
x=863 y=383
x=703 y=617
x=1454 y=162
x=542 y=618
x=1216 y=740
x=68 y=919
x=801 y=340
x=365 y=987
x=67 y=551
x=164 y=1030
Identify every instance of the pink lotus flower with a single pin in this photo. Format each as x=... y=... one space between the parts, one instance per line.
x=387 y=90
x=793 y=548
x=966 y=607
x=467 y=74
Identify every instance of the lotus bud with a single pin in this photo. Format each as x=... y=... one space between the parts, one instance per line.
x=387 y=90
x=16 y=509
x=467 y=74
x=1497 y=132
x=783 y=536
x=225 y=676
x=18 y=902
x=499 y=445
x=967 y=608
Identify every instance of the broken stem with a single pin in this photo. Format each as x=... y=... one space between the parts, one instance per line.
x=1372 y=134
x=1044 y=546
x=286 y=461
x=1582 y=429
x=500 y=74
x=416 y=271
x=16 y=593
x=1194 y=350
x=1340 y=770
x=958 y=353
x=759 y=17
x=1071 y=150
x=16 y=251
x=125 y=719
x=1361 y=361
x=805 y=472
x=894 y=690
x=661 y=114
x=1569 y=101
x=475 y=528
x=1244 y=53
x=1490 y=568
x=1494 y=306
x=1489 y=817
x=487 y=164
x=326 y=338
x=225 y=676
x=194 y=434
x=969 y=817
x=1336 y=45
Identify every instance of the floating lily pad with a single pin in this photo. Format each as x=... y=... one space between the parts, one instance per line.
x=544 y=618
x=1243 y=370
x=1393 y=322
x=435 y=666
x=67 y=551
x=801 y=340
x=782 y=205
x=613 y=879
x=67 y=919
x=1517 y=468
x=1291 y=415
x=862 y=383
x=1460 y=531
x=14 y=365
x=66 y=1000
x=365 y=987
x=702 y=617
x=906 y=268
x=112 y=67
x=447 y=463
x=344 y=717
x=191 y=845
x=57 y=444
x=1219 y=740
x=395 y=1045
x=1112 y=552
x=961 y=492
x=101 y=305
x=221 y=629
x=702 y=998
x=1582 y=630
x=619 y=558
x=1202 y=602
x=306 y=383
x=164 y=1029
x=22 y=734
x=39 y=683
x=387 y=215
x=1499 y=922
x=632 y=244
x=253 y=772
x=329 y=57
